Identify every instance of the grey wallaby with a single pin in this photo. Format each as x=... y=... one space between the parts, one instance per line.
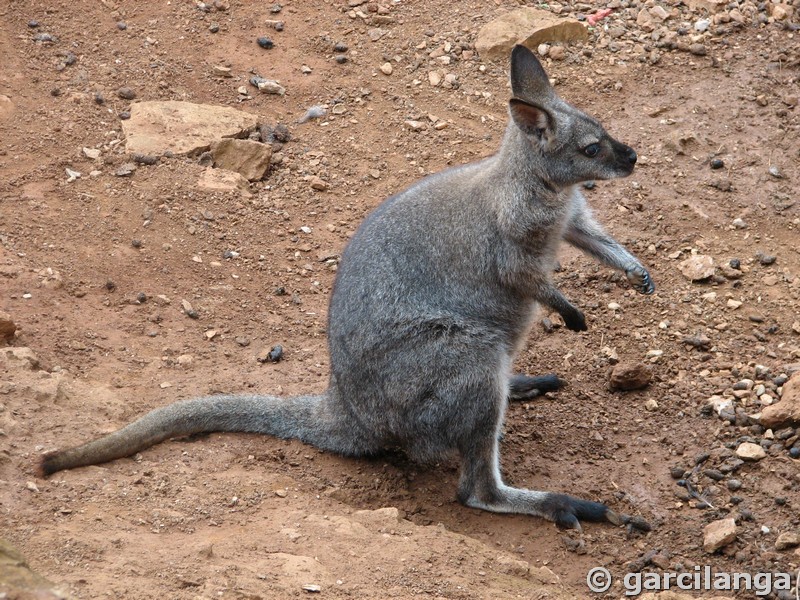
x=434 y=296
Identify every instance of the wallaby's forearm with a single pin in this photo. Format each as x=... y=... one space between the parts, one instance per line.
x=587 y=235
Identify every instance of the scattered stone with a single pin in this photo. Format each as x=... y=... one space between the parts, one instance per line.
x=136 y=243
x=766 y=259
x=183 y=128
x=126 y=93
x=699 y=341
x=709 y=6
x=734 y=485
x=275 y=24
x=527 y=26
x=415 y=125
x=265 y=43
x=697 y=267
x=319 y=184
x=340 y=47
x=7 y=326
x=220 y=180
x=386 y=68
x=213 y=28
x=717 y=163
x=630 y=376
x=312 y=587
x=750 y=452
x=92 y=153
x=787 y=411
x=739 y=223
x=718 y=534
x=434 y=78
x=268 y=86
x=72 y=175
x=341 y=59
x=775 y=172
x=376 y=33
x=698 y=49
x=248 y=158
x=125 y=170
x=787 y=540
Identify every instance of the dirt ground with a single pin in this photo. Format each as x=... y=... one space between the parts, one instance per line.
x=243 y=516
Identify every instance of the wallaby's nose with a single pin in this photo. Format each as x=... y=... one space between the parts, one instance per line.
x=631 y=156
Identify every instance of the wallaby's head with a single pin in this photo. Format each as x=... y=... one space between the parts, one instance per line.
x=575 y=146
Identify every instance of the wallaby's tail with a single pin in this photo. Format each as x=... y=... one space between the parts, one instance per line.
x=307 y=418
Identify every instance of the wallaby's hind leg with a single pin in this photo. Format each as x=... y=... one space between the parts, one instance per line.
x=481 y=486
x=525 y=387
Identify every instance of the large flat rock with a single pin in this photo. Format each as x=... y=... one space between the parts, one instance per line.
x=182 y=128
x=529 y=27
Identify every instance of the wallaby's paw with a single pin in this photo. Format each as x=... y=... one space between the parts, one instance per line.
x=524 y=387
x=641 y=281
x=574 y=320
x=567 y=511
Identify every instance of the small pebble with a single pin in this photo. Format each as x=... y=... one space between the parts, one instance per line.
x=33 y=24
x=717 y=163
x=676 y=472
x=775 y=172
x=315 y=112
x=141 y=297
x=122 y=25
x=213 y=28
x=265 y=43
x=126 y=93
x=734 y=485
x=99 y=99
x=386 y=68
x=276 y=8
x=589 y=185
x=340 y=47
x=766 y=259
x=341 y=59
x=735 y=263
x=136 y=243
x=111 y=286
x=125 y=115
x=44 y=37
x=794 y=452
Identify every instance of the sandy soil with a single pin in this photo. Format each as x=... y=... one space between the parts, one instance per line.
x=243 y=516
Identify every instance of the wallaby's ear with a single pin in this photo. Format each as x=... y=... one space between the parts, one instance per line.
x=528 y=79
x=531 y=119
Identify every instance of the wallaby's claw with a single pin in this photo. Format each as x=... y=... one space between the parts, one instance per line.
x=640 y=280
x=575 y=321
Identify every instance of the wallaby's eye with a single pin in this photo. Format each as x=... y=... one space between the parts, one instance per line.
x=592 y=150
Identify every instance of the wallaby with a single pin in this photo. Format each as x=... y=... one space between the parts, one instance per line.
x=433 y=298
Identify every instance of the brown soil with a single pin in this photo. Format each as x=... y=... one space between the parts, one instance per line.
x=201 y=518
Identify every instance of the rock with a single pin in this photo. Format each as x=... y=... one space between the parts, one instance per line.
x=786 y=411
x=250 y=159
x=718 y=534
x=319 y=184
x=415 y=125
x=697 y=267
x=710 y=6
x=527 y=26
x=220 y=180
x=750 y=451
x=126 y=93
x=787 y=540
x=558 y=53
x=17 y=580
x=7 y=326
x=386 y=68
x=125 y=170
x=630 y=376
x=92 y=153
x=434 y=78
x=183 y=128
x=270 y=86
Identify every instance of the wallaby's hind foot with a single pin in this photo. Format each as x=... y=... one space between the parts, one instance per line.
x=525 y=387
x=481 y=486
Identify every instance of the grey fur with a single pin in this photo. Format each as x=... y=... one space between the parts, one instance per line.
x=433 y=298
